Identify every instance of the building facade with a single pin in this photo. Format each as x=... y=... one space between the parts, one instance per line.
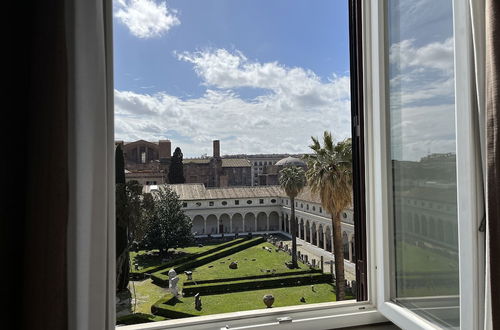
x=263 y=209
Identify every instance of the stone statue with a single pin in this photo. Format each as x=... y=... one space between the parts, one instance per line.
x=173 y=279
x=197 y=301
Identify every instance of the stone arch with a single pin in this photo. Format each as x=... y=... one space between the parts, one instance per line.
x=345 y=243
x=212 y=224
x=274 y=221
x=308 y=231
x=425 y=226
x=249 y=222
x=302 y=228
x=198 y=225
x=328 y=238
x=416 y=224
x=432 y=228
x=237 y=223
x=314 y=232
x=353 y=250
x=261 y=221
x=224 y=223
x=439 y=230
x=321 y=237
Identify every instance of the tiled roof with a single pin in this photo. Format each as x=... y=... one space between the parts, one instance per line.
x=226 y=162
x=235 y=162
x=197 y=191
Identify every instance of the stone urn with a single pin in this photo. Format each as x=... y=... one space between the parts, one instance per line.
x=268 y=300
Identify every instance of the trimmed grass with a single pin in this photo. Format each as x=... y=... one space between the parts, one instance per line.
x=422 y=272
x=146 y=293
x=144 y=260
x=264 y=260
x=414 y=259
x=161 y=277
x=248 y=300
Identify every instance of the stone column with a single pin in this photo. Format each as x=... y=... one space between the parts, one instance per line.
x=310 y=233
x=231 y=224
x=324 y=240
x=299 y=231
x=204 y=226
x=267 y=228
x=256 y=228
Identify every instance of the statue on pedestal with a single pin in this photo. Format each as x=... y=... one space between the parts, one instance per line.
x=173 y=279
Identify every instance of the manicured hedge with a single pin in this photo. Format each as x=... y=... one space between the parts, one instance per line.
x=255 y=284
x=138 y=318
x=161 y=277
x=254 y=277
x=161 y=307
x=141 y=274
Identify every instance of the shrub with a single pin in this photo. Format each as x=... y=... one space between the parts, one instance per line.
x=138 y=318
x=253 y=284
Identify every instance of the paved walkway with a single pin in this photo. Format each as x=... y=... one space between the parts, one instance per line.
x=312 y=251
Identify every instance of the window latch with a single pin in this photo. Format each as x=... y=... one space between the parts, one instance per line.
x=286 y=319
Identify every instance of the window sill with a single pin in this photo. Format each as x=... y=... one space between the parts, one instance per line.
x=315 y=316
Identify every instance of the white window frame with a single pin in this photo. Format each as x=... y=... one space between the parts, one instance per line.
x=468 y=208
x=379 y=307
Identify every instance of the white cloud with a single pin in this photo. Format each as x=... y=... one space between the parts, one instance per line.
x=146 y=18
x=296 y=105
x=422 y=98
x=435 y=55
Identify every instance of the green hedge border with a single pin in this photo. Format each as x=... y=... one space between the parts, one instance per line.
x=161 y=278
x=255 y=284
x=141 y=274
x=254 y=277
x=138 y=318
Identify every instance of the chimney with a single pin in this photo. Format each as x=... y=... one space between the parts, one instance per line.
x=216 y=149
x=164 y=150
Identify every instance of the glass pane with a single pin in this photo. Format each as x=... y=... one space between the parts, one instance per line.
x=423 y=160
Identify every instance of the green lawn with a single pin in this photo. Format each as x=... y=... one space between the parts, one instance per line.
x=147 y=294
x=413 y=259
x=423 y=272
x=249 y=300
x=145 y=260
x=264 y=260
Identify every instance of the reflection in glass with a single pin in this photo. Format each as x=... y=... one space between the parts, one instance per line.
x=422 y=144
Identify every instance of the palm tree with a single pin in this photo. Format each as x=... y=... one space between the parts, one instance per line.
x=330 y=175
x=292 y=179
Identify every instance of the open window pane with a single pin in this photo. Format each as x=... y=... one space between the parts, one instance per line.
x=423 y=159
x=214 y=101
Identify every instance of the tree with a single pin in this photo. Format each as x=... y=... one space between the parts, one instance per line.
x=122 y=220
x=167 y=226
x=176 y=170
x=292 y=179
x=330 y=175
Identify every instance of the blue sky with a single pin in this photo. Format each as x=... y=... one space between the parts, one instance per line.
x=193 y=71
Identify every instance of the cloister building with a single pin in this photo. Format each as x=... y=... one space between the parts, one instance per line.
x=260 y=209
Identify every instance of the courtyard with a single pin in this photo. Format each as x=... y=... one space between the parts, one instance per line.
x=261 y=269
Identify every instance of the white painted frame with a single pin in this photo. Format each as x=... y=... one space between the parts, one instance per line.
x=471 y=269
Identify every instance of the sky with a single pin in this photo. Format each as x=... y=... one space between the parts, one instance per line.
x=421 y=78
x=260 y=76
